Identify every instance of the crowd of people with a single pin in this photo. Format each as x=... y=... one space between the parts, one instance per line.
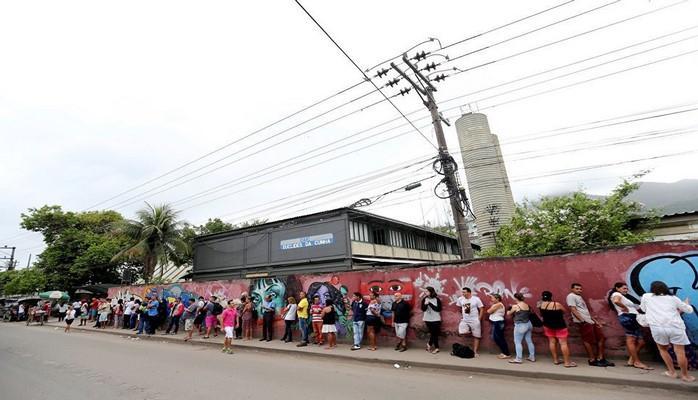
x=658 y=310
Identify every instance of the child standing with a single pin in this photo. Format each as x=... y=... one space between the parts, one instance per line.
x=316 y=313
x=69 y=317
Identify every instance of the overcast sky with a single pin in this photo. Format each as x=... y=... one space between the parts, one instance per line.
x=97 y=99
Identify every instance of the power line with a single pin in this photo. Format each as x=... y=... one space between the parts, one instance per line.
x=363 y=73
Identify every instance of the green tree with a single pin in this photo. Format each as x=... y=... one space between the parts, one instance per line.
x=574 y=222
x=154 y=238
x=79 y=246
x=25 y=281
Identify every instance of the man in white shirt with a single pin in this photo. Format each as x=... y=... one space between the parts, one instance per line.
x=472 y=309
x=589 y=328
x=129 y=310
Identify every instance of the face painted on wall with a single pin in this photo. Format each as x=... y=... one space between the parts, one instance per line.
x=386 y=292
x=276 y=288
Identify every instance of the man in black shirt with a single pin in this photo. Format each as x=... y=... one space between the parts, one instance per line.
x=401 y=317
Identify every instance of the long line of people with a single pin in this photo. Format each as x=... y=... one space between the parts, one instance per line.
x=658 y=310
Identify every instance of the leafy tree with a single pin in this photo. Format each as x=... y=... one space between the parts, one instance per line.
x=574 y=222
x=25 y=281
x=154 y=238
x=79 y=246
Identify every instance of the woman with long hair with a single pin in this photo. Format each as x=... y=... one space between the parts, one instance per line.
x=663 y=311
x=523 y=329
x=373 y=320
x=431 y=308
x=247 y=319
x=496 y=316
x=329 y=319
x=555 y=328
x=626 y=306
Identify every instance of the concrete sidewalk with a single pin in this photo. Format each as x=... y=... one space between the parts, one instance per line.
x=416 y=356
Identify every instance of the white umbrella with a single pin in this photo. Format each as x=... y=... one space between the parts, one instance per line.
x=55 y=294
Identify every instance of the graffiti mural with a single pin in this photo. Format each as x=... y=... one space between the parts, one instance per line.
x=676 y=263
x=338 y=294
x=679 y=272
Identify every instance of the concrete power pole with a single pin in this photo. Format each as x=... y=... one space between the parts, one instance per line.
x=456 y=193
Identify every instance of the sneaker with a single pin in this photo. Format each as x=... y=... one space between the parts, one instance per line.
x=302 y=344
x=402 y=348
x=594 y=363
x=397 y=347
x=605 y=363
x=355 y=347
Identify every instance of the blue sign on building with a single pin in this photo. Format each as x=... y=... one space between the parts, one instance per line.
x=308 y=241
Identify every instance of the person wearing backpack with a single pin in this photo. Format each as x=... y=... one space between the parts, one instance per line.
x=523 y=329
x=213 y=309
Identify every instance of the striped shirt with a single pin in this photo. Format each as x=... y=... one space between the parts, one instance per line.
x=316 y=311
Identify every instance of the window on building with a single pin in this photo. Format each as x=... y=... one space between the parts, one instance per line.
x=410 y=241
x=421 y=243
x=379 y=236
x=396 y=239
x=359 y=231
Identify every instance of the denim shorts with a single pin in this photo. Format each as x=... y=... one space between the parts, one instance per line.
x=630 y=325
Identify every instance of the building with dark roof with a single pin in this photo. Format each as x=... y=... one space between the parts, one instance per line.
x=338 y=240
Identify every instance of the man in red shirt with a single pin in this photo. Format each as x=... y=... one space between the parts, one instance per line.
x=93 y=309
x=175 y=314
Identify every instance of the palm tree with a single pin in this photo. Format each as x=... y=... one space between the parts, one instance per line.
x=155 y=238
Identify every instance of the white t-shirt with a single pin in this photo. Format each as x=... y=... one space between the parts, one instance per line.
x=470 y=307
x=128 y=310
x=498 y=315
x=76 y=305
x=576 y=301
x=62 y=308
x=291 y=312
x=70 y=314
x=632 y=307
x=663 y=311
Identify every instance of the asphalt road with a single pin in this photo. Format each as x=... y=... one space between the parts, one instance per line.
x=38 y=363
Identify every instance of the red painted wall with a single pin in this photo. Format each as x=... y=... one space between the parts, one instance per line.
x=595 y=270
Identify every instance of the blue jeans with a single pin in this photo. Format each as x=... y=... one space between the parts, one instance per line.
x=498 y=336
x=141 y=324
x=523 y=331
x=303 y=327
x=358 y=327
x=132 y=321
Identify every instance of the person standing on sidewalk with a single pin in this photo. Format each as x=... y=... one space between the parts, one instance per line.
x=93 y=310
x=104 y=310
x=247 y=318
x=472 y=310
x=358 y=310
x=401 y=318
x=213 y=310
x=431 y=315
x=329 y=320
x=496 y=316
x=269 y=311
x=316 y=314
x=188 y=317
x=663 y=312
x=119 y=314
x=175 y=315
x=228 y=319
x=289 y=315
x=200 y=314
x=152 y=311
x=621 y=302
x=373 y=320
x=302 y=313
x=523 y=329
x=128 y=311
x=69 y=318
x=84 y=314
x=62 y=310
x=589 y=328
x=555 y=328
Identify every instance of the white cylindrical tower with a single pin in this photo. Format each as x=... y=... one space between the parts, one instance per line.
x=488 y=183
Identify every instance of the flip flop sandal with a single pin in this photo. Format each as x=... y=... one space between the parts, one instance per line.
x=571 y=365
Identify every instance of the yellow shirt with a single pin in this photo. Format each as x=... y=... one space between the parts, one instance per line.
x=303 y=308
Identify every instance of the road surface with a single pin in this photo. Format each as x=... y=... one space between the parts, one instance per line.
x=38 y=363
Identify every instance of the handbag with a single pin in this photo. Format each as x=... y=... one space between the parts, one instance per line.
x=642 y=320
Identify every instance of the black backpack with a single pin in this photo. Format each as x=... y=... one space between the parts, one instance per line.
x=462 y=351
x=217 y=309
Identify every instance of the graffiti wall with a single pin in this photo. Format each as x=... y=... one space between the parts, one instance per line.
x=676 y=263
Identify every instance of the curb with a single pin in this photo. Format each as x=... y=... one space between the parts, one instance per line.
x=668 y=385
